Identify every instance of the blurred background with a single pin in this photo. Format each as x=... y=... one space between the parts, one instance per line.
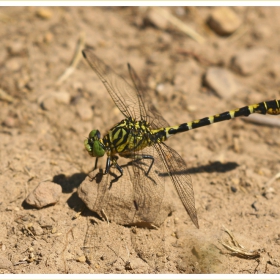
x=194 y=62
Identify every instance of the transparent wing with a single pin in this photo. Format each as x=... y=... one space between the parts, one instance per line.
x=131 y=100
x=176 y=168
x=151 y=114
x=122 y=93
x=148 y=189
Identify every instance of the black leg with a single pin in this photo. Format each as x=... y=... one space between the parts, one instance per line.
x=152 y=162
x=107 y=165
x=119 y=169
x=139 y=157
x=95 y=166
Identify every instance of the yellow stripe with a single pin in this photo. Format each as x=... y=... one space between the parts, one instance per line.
x=252 y=108
x=232 y=113
x=189 y=125
x=211 y=119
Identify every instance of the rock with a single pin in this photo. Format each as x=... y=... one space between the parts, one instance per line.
x=224 y=21
x=166 y=90
x=10 y=122
x=44 y=13
x=247 y=62
x=5 y=263
x=119 y=201
x=82 y=259
x=13 y=64
x=48 y=37
x=84 y=110
x=49 y=99
x=154 y=17
x=47 y=193
x=16 y=48
x=261 y=31
x=221 y=81
x=36 y=229
x=62 y=97
x=48 y=103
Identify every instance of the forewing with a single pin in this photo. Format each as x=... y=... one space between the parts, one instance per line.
x=122 y=93
x=147 y=110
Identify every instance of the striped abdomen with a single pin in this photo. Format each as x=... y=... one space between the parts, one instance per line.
x=270 y=107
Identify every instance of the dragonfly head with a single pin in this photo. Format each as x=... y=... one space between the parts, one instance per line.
x=93 y=144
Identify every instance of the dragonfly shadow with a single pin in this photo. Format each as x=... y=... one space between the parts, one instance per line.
x=68 y=183
x=216 y=166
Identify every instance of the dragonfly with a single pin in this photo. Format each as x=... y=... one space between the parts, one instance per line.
x=140 y=136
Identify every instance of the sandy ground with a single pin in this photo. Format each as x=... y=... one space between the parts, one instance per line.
x=45 y=119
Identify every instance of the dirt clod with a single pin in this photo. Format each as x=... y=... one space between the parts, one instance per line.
x=47 y=193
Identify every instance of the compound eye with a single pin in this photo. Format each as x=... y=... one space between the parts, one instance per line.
x=93 y=144
x=94 y=134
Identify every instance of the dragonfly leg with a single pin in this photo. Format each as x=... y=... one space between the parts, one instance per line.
x=95 y=166
x=152 y=162
x=119 y=169
x=108 y=165
x=139 y=157
x=115 y=164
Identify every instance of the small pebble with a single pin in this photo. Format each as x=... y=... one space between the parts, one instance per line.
x=37 y=230
x=16 y=48
x=5 y=263
x=269 y=193
x=165 y=90
x=13 y=64
x=247 y=62
x=261 y=31
x=154 y=17
x=62 y=97
x=84 y=110
x=9 y=122
x=48 y=37
x=48 y=103
x=81 y=259
x=221 y=81
x=224 y=21
x=159 y=254
x=176 y=221
x=44 y=13
x=47 y=193
x=49 y=99
x=264 y=171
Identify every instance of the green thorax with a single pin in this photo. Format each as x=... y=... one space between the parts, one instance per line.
x=130 y=135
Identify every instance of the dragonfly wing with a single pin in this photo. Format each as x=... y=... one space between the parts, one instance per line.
x=131 y=100
x=147 y=110
x=122 y=93
x=176 y=168
x=148 y=190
